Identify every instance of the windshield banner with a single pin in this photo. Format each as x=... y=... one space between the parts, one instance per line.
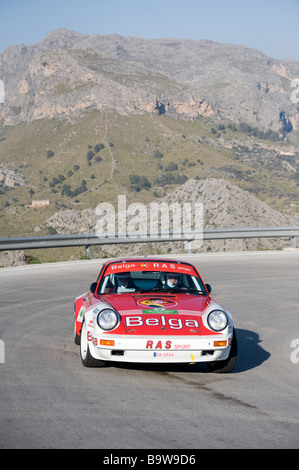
x=150 y=266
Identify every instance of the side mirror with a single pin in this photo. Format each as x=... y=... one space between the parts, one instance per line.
x=93 y=287
x=209 y=288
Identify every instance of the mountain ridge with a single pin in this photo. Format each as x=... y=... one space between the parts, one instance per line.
x=145 y=75
x=88 y=117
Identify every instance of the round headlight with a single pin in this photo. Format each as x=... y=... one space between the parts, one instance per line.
x=217 y=320
x=107 y=319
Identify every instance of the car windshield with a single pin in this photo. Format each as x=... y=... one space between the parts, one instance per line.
x=150 y=281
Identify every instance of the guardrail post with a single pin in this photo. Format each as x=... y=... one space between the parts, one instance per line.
x=294 y=242
x=189 y=246
x=88 y=251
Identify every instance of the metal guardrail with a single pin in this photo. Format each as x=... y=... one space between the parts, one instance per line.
x=87 y=240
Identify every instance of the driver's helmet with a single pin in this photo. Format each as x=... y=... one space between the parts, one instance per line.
x=173 y=279
x=123 y=278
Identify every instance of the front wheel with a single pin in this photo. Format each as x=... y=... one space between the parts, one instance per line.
x=87 y=359
x=228 y=364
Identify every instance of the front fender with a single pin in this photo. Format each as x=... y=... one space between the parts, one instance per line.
x=79 y=310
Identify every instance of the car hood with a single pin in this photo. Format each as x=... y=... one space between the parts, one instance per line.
x=161 y=314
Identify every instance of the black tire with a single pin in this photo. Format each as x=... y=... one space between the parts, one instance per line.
x=228 y=365
x=76 y=336
x=87 y=359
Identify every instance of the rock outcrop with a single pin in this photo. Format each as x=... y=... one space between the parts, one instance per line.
x=69 y=73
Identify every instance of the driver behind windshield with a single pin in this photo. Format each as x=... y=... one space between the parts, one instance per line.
x=124 y=282
x=173 y=280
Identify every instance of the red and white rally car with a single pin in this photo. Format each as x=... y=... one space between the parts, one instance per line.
x=153 y=311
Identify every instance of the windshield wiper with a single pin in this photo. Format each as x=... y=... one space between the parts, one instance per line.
x=195 y=291
x=172 y=290
x=188 y=291
x=183 y=290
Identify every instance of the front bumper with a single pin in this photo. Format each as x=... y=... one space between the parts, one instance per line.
x=154 y=349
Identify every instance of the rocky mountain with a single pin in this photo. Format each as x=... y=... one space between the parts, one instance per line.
x=86 y=118
x=224 y=205
x=69 y=73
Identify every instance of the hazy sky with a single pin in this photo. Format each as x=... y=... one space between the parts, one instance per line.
x=268 y=25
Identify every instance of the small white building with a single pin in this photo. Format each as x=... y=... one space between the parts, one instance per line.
x=40 y=203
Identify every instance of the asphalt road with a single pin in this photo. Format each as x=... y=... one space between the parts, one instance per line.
x=49 y=400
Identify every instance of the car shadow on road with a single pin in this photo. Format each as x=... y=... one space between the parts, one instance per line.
x=250 y=352
x=250 y=355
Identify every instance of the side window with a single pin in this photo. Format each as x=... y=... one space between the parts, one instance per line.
x=106 y=283
x=196 y=284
